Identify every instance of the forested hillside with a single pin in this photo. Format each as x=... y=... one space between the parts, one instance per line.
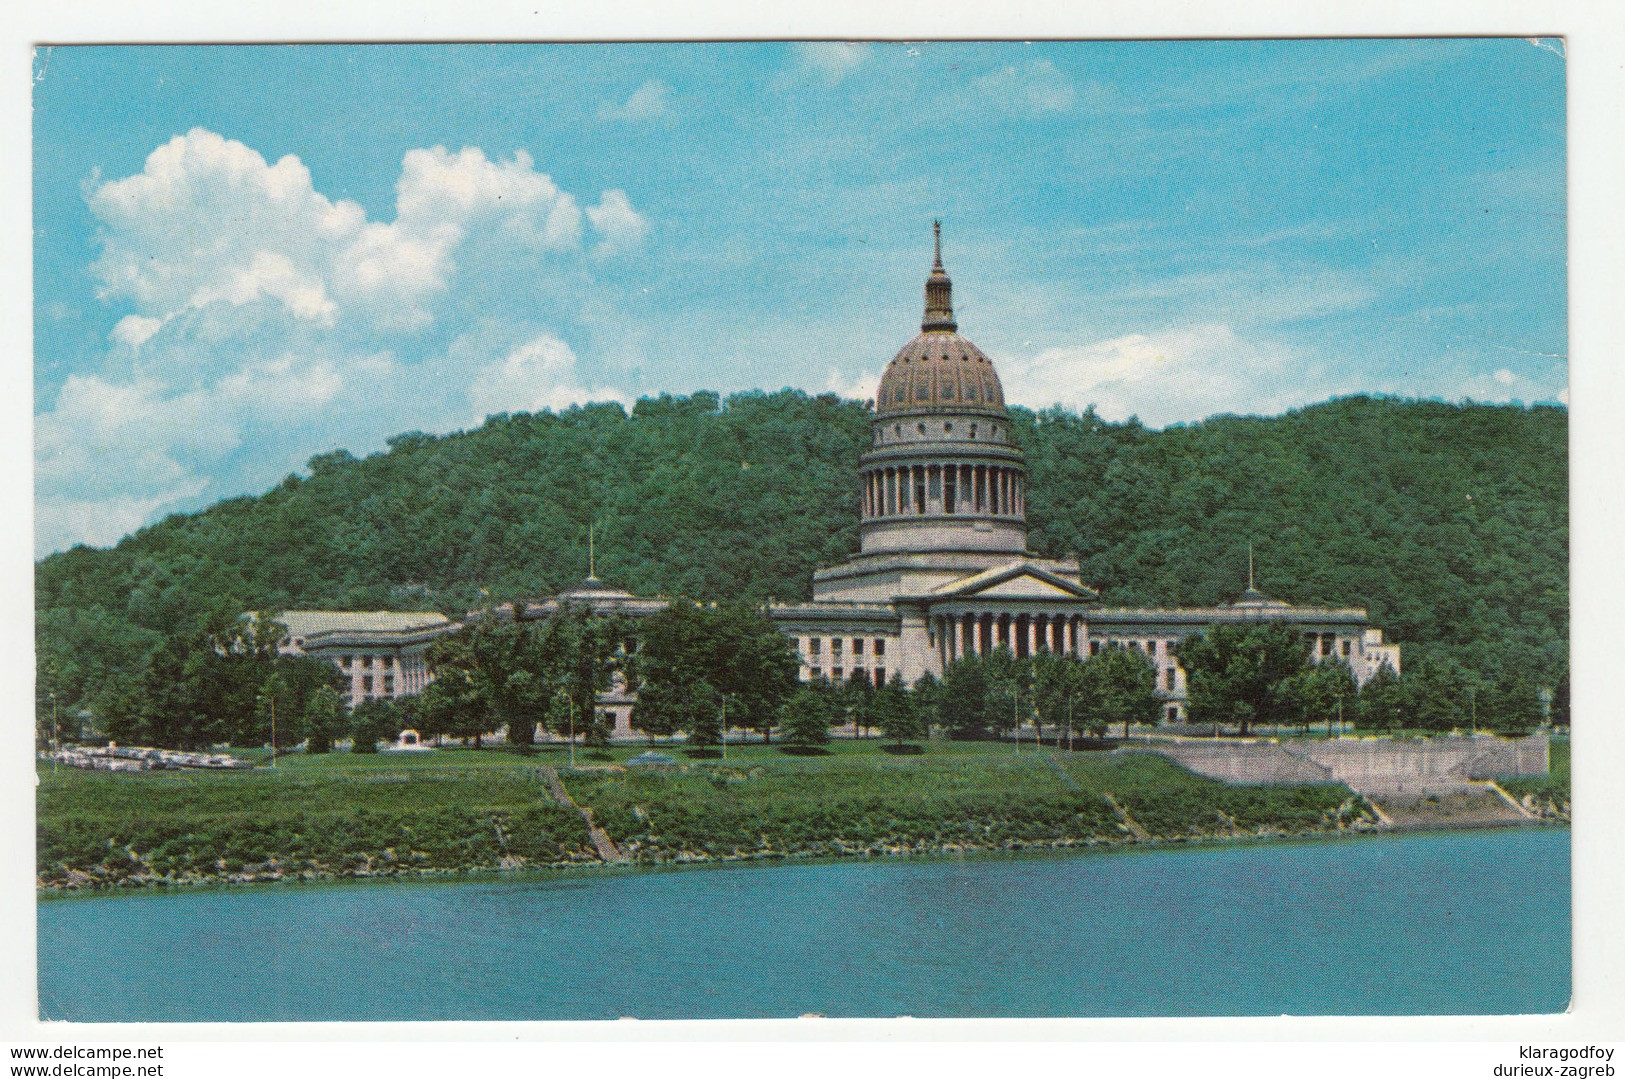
x=1449 y=523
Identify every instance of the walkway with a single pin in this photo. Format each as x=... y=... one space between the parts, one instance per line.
x=601 y=842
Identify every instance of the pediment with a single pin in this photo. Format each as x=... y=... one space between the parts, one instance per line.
x=1024 y=587
x=1021 y=581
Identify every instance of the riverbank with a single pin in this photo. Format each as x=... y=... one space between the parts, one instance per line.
x=464 y=811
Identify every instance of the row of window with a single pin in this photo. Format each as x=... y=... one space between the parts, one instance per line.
x=1325 y=644
x=815 y=646
x=947 y=429
x=386 y=662
x=386 y=683
x=877 y=677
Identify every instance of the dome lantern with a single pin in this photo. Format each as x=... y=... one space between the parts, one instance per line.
x=939 y=293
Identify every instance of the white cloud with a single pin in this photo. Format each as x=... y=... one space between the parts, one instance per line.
x=109 y=448
x=862 y=388
x=134 y=331
x=111 y=440
x=621 y=227
x=1504 y=385
x=539 y=374
x=649 y=103
x=258 y=306
x=61 y=521
x=1034 y=87
x=831 y=61
x=208 y=224
x=1164 y=377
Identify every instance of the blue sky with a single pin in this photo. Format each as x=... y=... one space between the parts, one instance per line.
x=248 y=255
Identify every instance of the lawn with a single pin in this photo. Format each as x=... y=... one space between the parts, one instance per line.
x=339 y=814
x=953 y=796
x=344 y=814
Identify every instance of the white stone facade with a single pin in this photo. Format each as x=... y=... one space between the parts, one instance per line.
x=381 y=653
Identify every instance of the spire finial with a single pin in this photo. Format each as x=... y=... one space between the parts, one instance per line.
x=939 y=291
x=592 y=552
x=1249 y=565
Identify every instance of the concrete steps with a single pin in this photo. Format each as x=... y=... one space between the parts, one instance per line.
x=605 y=846
x=1474 y=806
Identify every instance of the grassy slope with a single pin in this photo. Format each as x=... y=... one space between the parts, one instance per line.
x=953 y=798
x=338 y=815
x=455 y=810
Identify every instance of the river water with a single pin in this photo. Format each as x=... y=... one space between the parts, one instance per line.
x=1469 y=922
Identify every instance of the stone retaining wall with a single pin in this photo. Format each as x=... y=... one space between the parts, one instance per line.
x=1382 y=766
x=1239 y=762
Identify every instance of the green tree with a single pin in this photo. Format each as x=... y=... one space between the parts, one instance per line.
x=281 y=714
x=449 y=705
x=1119 y=686
x=1382 y=701
x=1058 y=688
x=323 y=719
x=1007 y=696
x=896 y=714
x=1238 y=674
x=1513 y=702
x=1439 y=695
x=855 y=701
x=703 y=707
x=372 y=722
x=963 y=698
x=1313 y=695
x=578 y=656
x=692 y=657
x=927 y=696
x=663 y=708
x=807 y=716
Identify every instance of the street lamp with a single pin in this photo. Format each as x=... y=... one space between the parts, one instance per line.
x=1015 y=715
x=570 y=721
x=723 y=735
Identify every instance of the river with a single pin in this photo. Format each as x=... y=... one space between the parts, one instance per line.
x=1466 y=922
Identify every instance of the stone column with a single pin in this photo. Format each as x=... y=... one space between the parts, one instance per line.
x=959 y=636
x=1032 y=635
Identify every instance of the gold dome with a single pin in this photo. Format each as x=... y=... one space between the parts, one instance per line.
x=939 y=371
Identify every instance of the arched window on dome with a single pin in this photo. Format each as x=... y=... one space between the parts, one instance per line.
x=973 y=430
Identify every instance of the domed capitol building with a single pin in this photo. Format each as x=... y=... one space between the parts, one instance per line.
x=943 y=569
